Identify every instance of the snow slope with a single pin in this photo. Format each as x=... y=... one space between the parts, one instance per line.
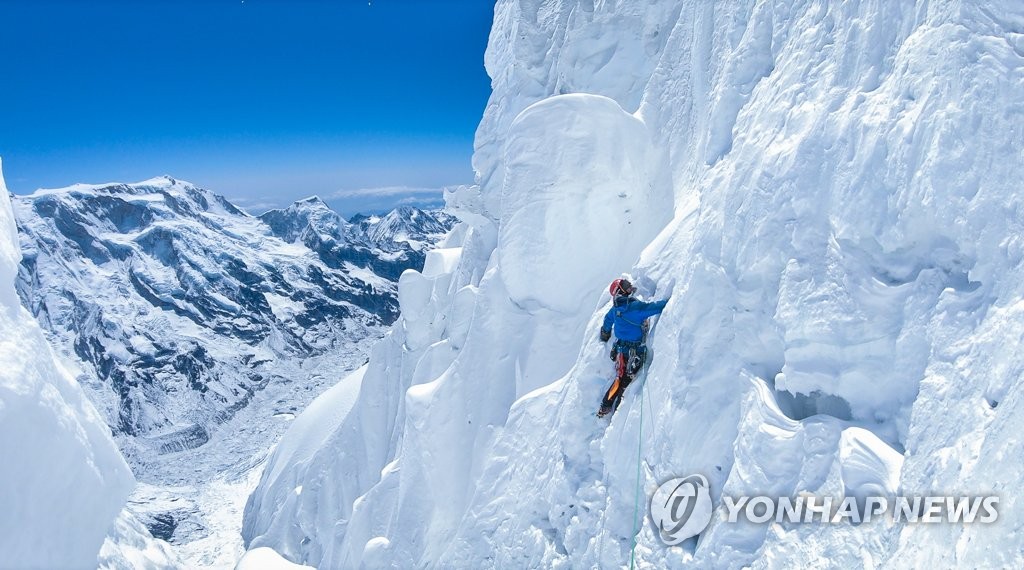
x=829 y=193
x=62 y=479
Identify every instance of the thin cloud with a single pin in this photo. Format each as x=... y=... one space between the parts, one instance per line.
x=415 y=200
x=255 y=205
x=422 y=203
x=385 y=192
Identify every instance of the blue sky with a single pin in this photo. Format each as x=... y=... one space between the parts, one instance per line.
x=264 y=101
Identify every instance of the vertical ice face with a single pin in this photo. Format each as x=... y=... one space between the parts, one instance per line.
x=62 y=480
x=581 y=197
x=828 y=190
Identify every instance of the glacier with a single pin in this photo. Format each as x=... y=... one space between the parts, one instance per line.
x=828 y=191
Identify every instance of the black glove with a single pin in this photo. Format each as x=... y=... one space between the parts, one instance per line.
x=605 y=335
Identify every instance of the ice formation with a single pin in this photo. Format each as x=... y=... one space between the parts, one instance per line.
x=829 y=193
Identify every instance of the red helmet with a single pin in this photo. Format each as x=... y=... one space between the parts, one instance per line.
x=620 y=287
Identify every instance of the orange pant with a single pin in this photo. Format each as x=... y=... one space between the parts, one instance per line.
x=613 y=396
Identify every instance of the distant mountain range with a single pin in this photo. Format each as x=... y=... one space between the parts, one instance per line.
x=181 y=306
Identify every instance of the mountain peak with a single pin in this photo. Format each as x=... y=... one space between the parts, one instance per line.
x=163 y=181
x=313 y=200
x=405 y=224
x=310 y=213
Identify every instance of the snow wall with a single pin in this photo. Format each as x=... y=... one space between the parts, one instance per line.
x=62 y=479
x=829 y=191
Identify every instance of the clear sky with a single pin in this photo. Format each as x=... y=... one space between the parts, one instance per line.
x=367 y=104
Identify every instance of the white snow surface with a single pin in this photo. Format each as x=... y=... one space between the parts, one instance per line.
x=62 y=479
x=829 y=192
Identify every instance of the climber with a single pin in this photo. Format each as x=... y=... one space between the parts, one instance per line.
x=628 y=318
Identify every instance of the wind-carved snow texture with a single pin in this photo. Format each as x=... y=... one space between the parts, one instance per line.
x=183 y=307
x=829 y=193
x=62 y=479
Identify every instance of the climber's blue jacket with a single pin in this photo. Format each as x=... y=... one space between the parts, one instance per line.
x=627 y=315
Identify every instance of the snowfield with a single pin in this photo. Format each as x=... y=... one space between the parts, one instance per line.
x=829 y=192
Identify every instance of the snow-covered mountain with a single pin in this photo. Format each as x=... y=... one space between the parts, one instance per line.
x=182 y=307
x=403 y=227
x=828 y=191
x=386 y=245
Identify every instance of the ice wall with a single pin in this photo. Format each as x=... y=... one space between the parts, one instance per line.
x=829 y=191
x=62 y=480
